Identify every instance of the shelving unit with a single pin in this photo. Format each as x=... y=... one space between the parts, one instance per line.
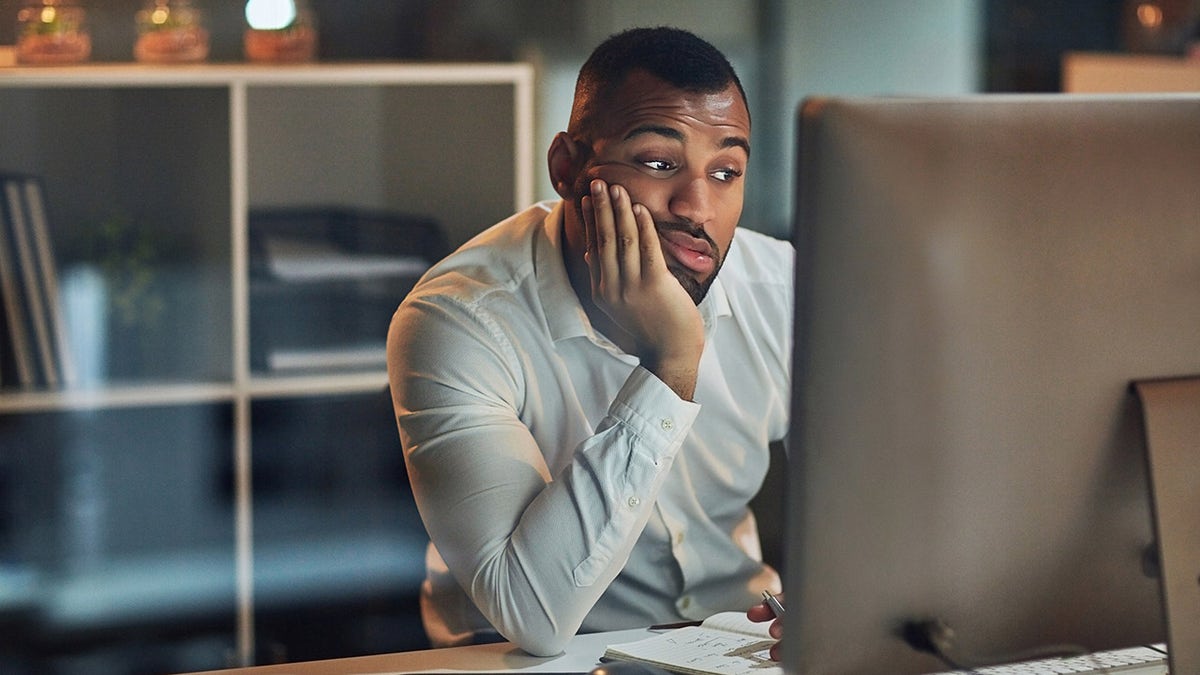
x=1094 y=73
x=176 y=159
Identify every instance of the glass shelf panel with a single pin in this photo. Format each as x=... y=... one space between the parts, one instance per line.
x=337 y=538
x=116 y=395
x=116 y=522
x=137 y=196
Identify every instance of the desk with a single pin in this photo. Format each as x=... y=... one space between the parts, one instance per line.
x=581 y=655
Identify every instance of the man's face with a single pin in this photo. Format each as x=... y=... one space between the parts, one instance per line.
x=683 y=156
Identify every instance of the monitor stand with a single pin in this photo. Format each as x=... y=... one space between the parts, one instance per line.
x=1171 y=417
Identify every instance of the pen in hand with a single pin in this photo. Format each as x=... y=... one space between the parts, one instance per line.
x=773 y=602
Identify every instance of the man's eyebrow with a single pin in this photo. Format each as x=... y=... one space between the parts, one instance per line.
x=736 y=142
x=673 y=134
x=676 y=135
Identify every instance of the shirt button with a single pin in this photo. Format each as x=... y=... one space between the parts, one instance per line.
x=679 y=538
x=633 y=502
x=667 y=424
x=685 y=602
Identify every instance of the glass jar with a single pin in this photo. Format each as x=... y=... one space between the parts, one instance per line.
x=52 y=32
x=170 y=31
x=280 y=31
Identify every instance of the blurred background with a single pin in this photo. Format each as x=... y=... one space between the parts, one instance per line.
x=73 y=485
x=783 y=49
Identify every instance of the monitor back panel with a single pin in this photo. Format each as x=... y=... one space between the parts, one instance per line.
x=979 y=280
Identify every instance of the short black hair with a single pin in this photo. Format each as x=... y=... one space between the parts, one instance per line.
x=673 y=55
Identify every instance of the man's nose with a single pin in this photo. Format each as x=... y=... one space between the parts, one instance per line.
x=692 y=200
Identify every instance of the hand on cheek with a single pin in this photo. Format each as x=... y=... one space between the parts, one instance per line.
x=632 y=285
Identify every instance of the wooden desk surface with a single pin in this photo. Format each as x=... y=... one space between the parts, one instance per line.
x=581 y=655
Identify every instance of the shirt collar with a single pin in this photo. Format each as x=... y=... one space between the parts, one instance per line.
x=564 y=314
x=565 y=317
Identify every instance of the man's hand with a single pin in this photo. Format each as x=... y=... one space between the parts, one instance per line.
x=762 y=612
x=633 y=287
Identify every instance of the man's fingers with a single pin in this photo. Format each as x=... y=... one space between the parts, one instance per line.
x=590 y=255
x=650 y=252
x=603 y=233
x=626 y=236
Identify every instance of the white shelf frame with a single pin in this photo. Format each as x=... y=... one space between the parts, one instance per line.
x=245 y=385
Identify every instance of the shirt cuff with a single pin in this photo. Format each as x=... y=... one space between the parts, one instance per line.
x=653 y=411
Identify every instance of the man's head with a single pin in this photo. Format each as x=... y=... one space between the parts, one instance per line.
x=676 y=57
x=662 y=113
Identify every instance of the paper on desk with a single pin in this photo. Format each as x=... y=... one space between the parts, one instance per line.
x=727 y=643
x=292 y=259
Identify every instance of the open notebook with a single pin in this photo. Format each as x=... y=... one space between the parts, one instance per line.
x=725 y=643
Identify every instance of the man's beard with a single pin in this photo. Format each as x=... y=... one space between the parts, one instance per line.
x=695 y=288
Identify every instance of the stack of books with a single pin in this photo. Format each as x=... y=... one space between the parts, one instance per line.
x=33 y=345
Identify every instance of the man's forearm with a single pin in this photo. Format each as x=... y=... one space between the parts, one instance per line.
x=678 y=373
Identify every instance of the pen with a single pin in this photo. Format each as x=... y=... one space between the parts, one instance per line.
x=673 y=626
x=773 y=602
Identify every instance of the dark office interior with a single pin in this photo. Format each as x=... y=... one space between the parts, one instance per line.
x=126 y=510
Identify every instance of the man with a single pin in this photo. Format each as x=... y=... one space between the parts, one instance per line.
x=584 y=406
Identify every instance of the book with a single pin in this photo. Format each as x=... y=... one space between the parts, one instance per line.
x=47 y=267
x=17 y=355
x=723 y=644
x=30 y=281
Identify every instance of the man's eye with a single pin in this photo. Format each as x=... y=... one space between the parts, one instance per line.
x=658 y=164
x=726 y=175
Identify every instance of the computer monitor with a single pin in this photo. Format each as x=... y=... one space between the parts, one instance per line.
x=979 y=280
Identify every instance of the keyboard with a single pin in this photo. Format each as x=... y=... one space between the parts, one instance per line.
x=1148 y=660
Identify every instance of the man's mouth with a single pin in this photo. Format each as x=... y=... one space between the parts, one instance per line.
x=694 y=253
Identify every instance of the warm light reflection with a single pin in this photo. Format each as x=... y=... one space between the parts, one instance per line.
x=270 y=14
x=159 y=15
x=48 y=14
x=1150 y=15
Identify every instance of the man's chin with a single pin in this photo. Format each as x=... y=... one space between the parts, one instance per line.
x=695 y=288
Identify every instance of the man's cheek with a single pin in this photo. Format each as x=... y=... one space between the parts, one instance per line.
x=618 y=174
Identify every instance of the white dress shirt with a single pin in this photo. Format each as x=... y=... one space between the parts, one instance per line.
x=564 y=487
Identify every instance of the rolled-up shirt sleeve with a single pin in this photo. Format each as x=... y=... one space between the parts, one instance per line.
x=534 y=551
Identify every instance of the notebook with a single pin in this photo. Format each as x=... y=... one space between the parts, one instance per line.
x=724 y=644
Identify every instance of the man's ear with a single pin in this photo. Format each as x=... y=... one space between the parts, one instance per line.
x=563 y=160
